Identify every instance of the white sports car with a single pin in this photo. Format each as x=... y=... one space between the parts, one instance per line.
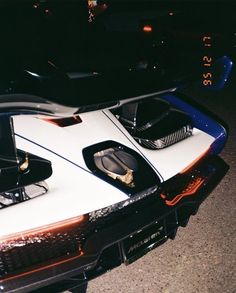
x=96 y=170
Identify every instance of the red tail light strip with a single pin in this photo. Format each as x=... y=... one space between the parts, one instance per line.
x=191 y=189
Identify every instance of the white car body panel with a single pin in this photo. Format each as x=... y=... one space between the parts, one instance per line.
x=72 y=186
x=68 y=188
x=68 y=142
x=169 y=161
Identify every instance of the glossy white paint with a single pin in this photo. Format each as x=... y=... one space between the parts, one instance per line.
x=100 y=126
x=73 y=190
x=171 y=160
x=70 y=141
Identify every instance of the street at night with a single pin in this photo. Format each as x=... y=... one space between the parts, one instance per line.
x=118 y=146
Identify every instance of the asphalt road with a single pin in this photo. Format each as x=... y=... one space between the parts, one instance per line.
x=202 y=258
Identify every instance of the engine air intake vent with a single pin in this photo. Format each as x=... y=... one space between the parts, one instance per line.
x=155 y=124
x=168 y=140
x=122 y=167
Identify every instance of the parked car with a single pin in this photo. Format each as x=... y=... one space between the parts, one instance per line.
x=99 y=163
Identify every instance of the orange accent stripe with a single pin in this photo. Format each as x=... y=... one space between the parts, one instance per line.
x=43 y=229
x=42 y=268
x=195 y=161
x=178 y=197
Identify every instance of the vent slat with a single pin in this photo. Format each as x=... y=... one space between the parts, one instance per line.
x=168 y=140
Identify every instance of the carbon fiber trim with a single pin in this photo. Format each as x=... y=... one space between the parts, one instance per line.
x=168 y=140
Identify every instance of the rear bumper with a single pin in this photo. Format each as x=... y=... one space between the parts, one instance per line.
x=118 y=237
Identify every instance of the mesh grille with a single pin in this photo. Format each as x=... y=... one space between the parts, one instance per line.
x=24 y=252
x=168 y=140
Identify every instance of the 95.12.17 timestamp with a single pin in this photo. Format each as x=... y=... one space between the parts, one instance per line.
x=207 y=61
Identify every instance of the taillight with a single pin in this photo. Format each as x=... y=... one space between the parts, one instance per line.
x=190 y=189
x=189 y=181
